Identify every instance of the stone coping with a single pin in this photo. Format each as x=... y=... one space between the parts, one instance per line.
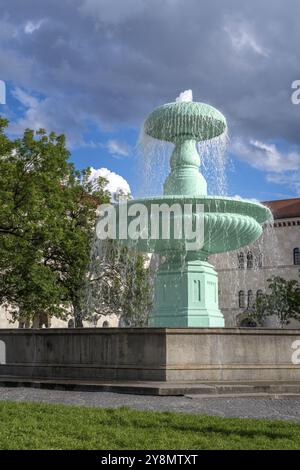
x=159 y=331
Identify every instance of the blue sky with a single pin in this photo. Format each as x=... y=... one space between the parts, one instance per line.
x=94 y=70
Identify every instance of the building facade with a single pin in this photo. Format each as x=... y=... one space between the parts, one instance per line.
x=243 y=274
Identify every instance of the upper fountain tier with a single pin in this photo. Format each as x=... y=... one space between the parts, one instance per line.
x=185 y=123
x=185 y=120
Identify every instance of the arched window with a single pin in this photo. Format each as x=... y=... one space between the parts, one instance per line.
x=241 y=260
x=296 y=253
x=241 y=299
x=259 y=260
x=249 y=260
x=250 y=299
x=259 y=294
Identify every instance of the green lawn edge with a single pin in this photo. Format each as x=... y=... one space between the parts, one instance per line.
x=25 y=425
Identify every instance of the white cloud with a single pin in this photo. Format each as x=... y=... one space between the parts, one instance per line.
x=280 y=167
x=42 y=113
x=291 y=180
x=116 y=183
x=32 y=26
x=242 y=38
x=237 y=197
x=266 y=157
x=34 y=116
x=115 y=147
x=46 y=113
x=25 y=98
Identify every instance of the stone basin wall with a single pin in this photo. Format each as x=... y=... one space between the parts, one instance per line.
x=159 y=354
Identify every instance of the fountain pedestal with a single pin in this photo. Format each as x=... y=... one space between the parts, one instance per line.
x=186 y=295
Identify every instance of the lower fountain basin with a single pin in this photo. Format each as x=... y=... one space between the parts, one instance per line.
x=228 y=223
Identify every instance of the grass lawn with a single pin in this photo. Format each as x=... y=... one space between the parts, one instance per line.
x=43 y=426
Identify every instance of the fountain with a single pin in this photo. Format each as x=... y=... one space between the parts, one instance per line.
x=186 y=285
x=169 y=361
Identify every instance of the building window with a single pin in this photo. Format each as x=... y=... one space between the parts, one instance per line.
x=296 y=253
x=259 y=260
x=250 y=299
x=249 y=260
x=241 y=260
x=241 y=299
x=259 y=294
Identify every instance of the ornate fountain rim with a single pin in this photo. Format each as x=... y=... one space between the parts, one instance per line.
x=198 y=121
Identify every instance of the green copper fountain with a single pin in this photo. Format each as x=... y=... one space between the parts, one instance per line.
x=186 y=284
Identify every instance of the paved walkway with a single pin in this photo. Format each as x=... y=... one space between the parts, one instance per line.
x=245 y=407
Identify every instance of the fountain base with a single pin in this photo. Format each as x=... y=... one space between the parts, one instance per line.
x=186 y=295
x=131 y=357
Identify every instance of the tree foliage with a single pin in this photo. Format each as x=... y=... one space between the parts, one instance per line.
x=282 y=301
x=47 y=220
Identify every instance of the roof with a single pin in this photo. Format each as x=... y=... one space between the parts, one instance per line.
x=284 y=208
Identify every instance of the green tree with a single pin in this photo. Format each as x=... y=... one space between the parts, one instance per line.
x=47 y=218
x=282 y=301
x=48 y=212
x=258 y=311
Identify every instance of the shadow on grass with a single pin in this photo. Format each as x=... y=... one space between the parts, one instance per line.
x=234 y=426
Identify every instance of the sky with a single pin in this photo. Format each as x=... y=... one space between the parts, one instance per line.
x=94 y=69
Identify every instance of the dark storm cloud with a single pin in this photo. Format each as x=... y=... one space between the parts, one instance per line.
x=111 y=61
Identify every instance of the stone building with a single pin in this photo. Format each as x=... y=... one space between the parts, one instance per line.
x=243 y=273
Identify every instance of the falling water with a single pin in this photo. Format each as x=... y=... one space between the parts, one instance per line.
x=113 y=284
x=255 y=278
x=153 y=157
x=153 y=163
x=214 y=162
